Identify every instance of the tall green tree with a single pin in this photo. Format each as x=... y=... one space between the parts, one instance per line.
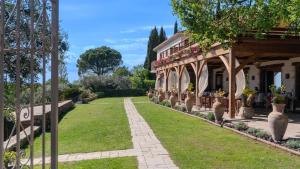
x=152 y=43
x=99 y=61
x=224 y=21
x=162 y=35
x=175 y=27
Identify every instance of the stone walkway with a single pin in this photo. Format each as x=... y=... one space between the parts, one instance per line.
x=147 y=148
x=87 y=156
x=151 y=154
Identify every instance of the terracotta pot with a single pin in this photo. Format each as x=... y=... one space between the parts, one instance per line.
x=189 y=102
x=161 y=96
x=173 y=99
x=150 y=95
x=250 y=100
x=246 y=112
x=278 y=122
x=218 y=110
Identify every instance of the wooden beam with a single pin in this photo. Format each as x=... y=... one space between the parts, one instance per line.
x=232 y=84
x=251 y=59
x=225 y=61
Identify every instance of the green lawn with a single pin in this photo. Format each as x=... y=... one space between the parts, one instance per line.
x=193 y=143
x=99 y=126
x=114 y=163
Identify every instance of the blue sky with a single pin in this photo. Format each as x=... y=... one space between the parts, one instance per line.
x=121 y=24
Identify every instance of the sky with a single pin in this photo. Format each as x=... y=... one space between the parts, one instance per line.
x=123 y=25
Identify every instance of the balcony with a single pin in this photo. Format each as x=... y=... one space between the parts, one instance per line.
x=177 y=52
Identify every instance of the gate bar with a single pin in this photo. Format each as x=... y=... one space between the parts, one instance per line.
x=54 y=82
x=2 y=83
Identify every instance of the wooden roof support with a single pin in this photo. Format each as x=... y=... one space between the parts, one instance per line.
x=225 y=61
x=251 y=59
x=232 y=84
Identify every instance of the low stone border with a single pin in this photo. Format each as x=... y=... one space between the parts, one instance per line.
x=238 y=132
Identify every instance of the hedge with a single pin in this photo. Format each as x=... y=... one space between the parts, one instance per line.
x=121 y=93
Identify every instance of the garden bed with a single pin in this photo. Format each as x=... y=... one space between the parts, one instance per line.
x=290 y=145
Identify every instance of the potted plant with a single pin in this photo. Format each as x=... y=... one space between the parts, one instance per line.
x=161 y=95
x=218 y=107
x=173 y=98
x=246 y=111
x=150 y=94
x=189 y=98
x=277 y=120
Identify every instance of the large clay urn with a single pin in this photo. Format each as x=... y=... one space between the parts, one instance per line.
x=189 y=102
x=150 y=94
x=278 y=122
x=173 y=99
x=218 y=110
x=161 y=96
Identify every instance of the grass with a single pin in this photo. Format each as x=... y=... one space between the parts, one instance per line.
x=114 y=163
x=193 y=143
x=101 y=125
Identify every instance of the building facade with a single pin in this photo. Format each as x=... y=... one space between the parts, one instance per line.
x=249 y=62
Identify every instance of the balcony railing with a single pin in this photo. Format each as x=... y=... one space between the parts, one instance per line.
x=180 y=50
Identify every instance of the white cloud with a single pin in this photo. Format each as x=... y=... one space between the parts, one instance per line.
x=145 y=28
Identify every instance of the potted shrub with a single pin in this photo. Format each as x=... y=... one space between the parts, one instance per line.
x=150 y=94
x=173 y=98
x=161 y=96
x=277 y=120
x=246 y=111
x=218 y=107
x=189 y=98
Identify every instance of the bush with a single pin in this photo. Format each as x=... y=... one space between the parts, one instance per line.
x=9 y=158
x=295 y=144
x=259 y=133
x=165 y=103
x=241 y=126
x=149 y=84
x=211 y=116
x=100 y=95
x=86 y=94
x=263 y=135
x=180 y=108
x=71 y=93
x=252 y=131
x=124 y=92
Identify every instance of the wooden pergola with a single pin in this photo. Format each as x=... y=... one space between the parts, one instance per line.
x=247 y=50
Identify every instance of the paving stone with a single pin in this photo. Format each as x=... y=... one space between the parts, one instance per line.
x=150 y=150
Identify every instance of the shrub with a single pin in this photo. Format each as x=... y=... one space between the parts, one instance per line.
x=252 y=131
x=124 y=92
x=180 y=108
x=295 y=144
x=263 y=135
x=86 y=93
x=211 y=116
x=71 y=93
x=9 y=158
x=100 y=94
x=149 y=84
x=241 y=126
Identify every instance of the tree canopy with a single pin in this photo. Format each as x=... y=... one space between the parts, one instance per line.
x=175 y=27
x=152 y=43
x=211 y=21
x=100 y=61
x=162 y=35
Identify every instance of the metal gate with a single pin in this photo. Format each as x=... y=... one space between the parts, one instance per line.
x=29 y=39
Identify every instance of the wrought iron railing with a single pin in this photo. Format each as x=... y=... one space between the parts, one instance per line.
x=28 y=33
